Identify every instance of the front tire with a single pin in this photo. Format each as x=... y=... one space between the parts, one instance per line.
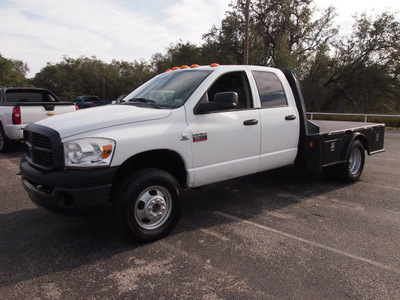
x=355 y=159
x=148 y=204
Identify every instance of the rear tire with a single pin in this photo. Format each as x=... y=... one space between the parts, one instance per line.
x=355 y=159
x=6 y=145
x=148 y=204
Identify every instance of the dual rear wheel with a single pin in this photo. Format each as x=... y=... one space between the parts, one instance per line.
x=351 y=170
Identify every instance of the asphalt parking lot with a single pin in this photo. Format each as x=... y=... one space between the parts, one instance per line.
x=283 y=234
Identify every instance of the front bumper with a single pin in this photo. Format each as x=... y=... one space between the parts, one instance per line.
x=67 y=191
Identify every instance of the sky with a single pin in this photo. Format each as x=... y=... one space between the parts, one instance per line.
x=42 y=31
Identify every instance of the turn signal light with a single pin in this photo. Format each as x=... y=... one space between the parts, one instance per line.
x=107 y=149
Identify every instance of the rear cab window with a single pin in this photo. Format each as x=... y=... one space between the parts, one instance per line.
x=270 y=89
x=17 y=96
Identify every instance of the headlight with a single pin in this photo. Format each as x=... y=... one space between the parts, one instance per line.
x=90 y=152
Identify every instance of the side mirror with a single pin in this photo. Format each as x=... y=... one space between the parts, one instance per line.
x=222 y=101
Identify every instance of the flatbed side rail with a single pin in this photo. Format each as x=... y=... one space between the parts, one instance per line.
x=311 y=114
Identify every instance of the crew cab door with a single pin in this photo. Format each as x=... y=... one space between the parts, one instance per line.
x=280 y=127
x=225 y=140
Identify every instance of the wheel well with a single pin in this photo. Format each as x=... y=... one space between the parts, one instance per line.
x=360 y=137
x=163 y=159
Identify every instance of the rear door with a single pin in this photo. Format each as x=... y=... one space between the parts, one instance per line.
x=279 y=120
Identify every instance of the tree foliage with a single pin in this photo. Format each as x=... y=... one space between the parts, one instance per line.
x=13 y=72
x=354 y=73
x=282 y=33
x=363 y=76
x=177 y=55
x=84 y=75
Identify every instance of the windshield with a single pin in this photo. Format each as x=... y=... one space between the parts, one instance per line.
x=168 y=90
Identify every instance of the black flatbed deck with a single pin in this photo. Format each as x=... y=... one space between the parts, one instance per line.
x=328 y=141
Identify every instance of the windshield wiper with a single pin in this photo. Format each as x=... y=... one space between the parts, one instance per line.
x=144 y=100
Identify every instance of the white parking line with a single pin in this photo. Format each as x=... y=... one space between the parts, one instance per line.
x=291 y=236
x=379 y=186
x=387 y=158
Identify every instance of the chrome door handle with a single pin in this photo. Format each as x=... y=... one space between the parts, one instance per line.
x=290 y=118
x=250 y=122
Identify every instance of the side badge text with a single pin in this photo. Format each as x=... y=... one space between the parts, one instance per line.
x=200 y=137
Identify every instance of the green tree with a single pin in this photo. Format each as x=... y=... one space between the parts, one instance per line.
x=13 y=72
x=72 y=77
x=225 y=45
x=177 y=55
x=283 y=33
x=366 y=76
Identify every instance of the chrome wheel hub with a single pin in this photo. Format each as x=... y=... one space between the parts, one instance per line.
x=153 y=207
x=355 y=160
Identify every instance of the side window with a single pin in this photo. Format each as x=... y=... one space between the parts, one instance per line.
x=232 y=82
x=270 y=89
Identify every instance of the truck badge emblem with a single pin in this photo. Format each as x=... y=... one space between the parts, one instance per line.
x=200 y=137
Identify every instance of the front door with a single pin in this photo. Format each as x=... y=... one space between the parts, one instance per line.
x=226 y=143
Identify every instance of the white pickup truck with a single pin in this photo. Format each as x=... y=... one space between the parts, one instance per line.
x=182 y=129
x=21 y=106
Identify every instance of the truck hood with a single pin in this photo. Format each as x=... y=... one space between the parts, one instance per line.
x=90 y=119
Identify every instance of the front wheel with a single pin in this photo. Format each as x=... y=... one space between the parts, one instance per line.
x=355 y=158
x=148 y=204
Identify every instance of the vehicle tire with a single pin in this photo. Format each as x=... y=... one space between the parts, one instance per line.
x=355 y=159
x=148 y=204
x=6 y=145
